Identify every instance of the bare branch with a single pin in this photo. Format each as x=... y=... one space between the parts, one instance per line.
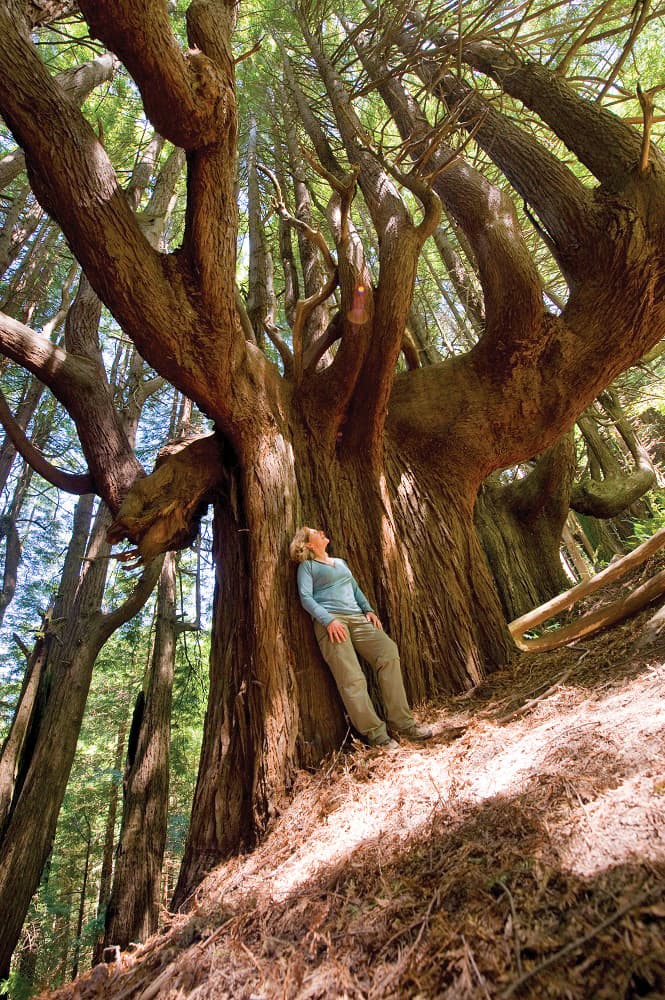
x=315 y=235
x=304 y=309
x=646 y=98
x=108 y=623
x=70 y=482
x=613 y=572
x=63 y=151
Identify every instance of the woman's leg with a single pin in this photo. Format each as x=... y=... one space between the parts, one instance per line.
x=382 y=654
x=351 y=684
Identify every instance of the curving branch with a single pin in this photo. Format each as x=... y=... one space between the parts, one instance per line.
x=79 y=383
x=487 y=217
x=563 y=204
x=617 y=490
x=183 y=93
x=70 y=482
x=600 y=140
x=77 y=83
x=108 y=623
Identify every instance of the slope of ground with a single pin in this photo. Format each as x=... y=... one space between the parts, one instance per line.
x=521 y=853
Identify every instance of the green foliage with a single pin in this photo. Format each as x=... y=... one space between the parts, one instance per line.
x=644 y=528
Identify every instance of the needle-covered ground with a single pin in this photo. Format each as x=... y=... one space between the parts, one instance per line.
x=520 y=853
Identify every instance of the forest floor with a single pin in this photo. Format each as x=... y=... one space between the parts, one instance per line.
x=519 y=853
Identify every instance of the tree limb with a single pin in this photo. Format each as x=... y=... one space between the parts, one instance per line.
x=486 y=215
x=613 y=572
x=560 y=200
x=109 y=622
x=601 y=140
x=63 y=152
x=70 y=482
x=182 y=92
x=52 y=365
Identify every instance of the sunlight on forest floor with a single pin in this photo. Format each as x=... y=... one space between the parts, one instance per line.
x=519 y=853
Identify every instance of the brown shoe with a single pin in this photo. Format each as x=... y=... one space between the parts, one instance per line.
x=385 y=743
x=417 y=732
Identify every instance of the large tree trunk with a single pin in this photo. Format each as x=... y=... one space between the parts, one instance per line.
x=520 y=526
x=109 y=842
x=273 y=706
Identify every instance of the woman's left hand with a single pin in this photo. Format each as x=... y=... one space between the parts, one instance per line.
x=376 y=622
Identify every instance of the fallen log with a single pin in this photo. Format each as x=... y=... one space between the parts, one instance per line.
x=607 y=615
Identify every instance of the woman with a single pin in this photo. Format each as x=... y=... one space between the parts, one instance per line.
x=345 y=624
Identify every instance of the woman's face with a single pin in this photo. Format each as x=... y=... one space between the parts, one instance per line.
x=317 y=540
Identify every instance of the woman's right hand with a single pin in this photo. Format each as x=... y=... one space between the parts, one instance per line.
x=336 y=631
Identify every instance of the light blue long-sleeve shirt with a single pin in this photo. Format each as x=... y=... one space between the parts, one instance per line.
x=329 y=589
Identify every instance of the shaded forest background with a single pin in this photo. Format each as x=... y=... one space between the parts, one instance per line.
x=544 y=524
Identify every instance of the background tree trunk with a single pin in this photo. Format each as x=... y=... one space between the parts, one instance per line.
x=133 y=909
x=520 y=526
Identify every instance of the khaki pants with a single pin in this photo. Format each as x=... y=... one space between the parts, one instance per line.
x=383 y=656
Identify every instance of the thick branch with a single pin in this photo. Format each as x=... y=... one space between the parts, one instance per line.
x=611 y=496
x=551 y=189
x=604 y=143
x=80 y=385
x=182 y=93
x=108 y=623
x=64 y=155
x=510 y=282
x=545 y=491
x=52 y=365
x=77 y=83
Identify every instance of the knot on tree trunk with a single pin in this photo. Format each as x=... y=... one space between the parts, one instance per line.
x=162 y=512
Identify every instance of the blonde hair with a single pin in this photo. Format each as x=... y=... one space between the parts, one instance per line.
x=299 y=549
